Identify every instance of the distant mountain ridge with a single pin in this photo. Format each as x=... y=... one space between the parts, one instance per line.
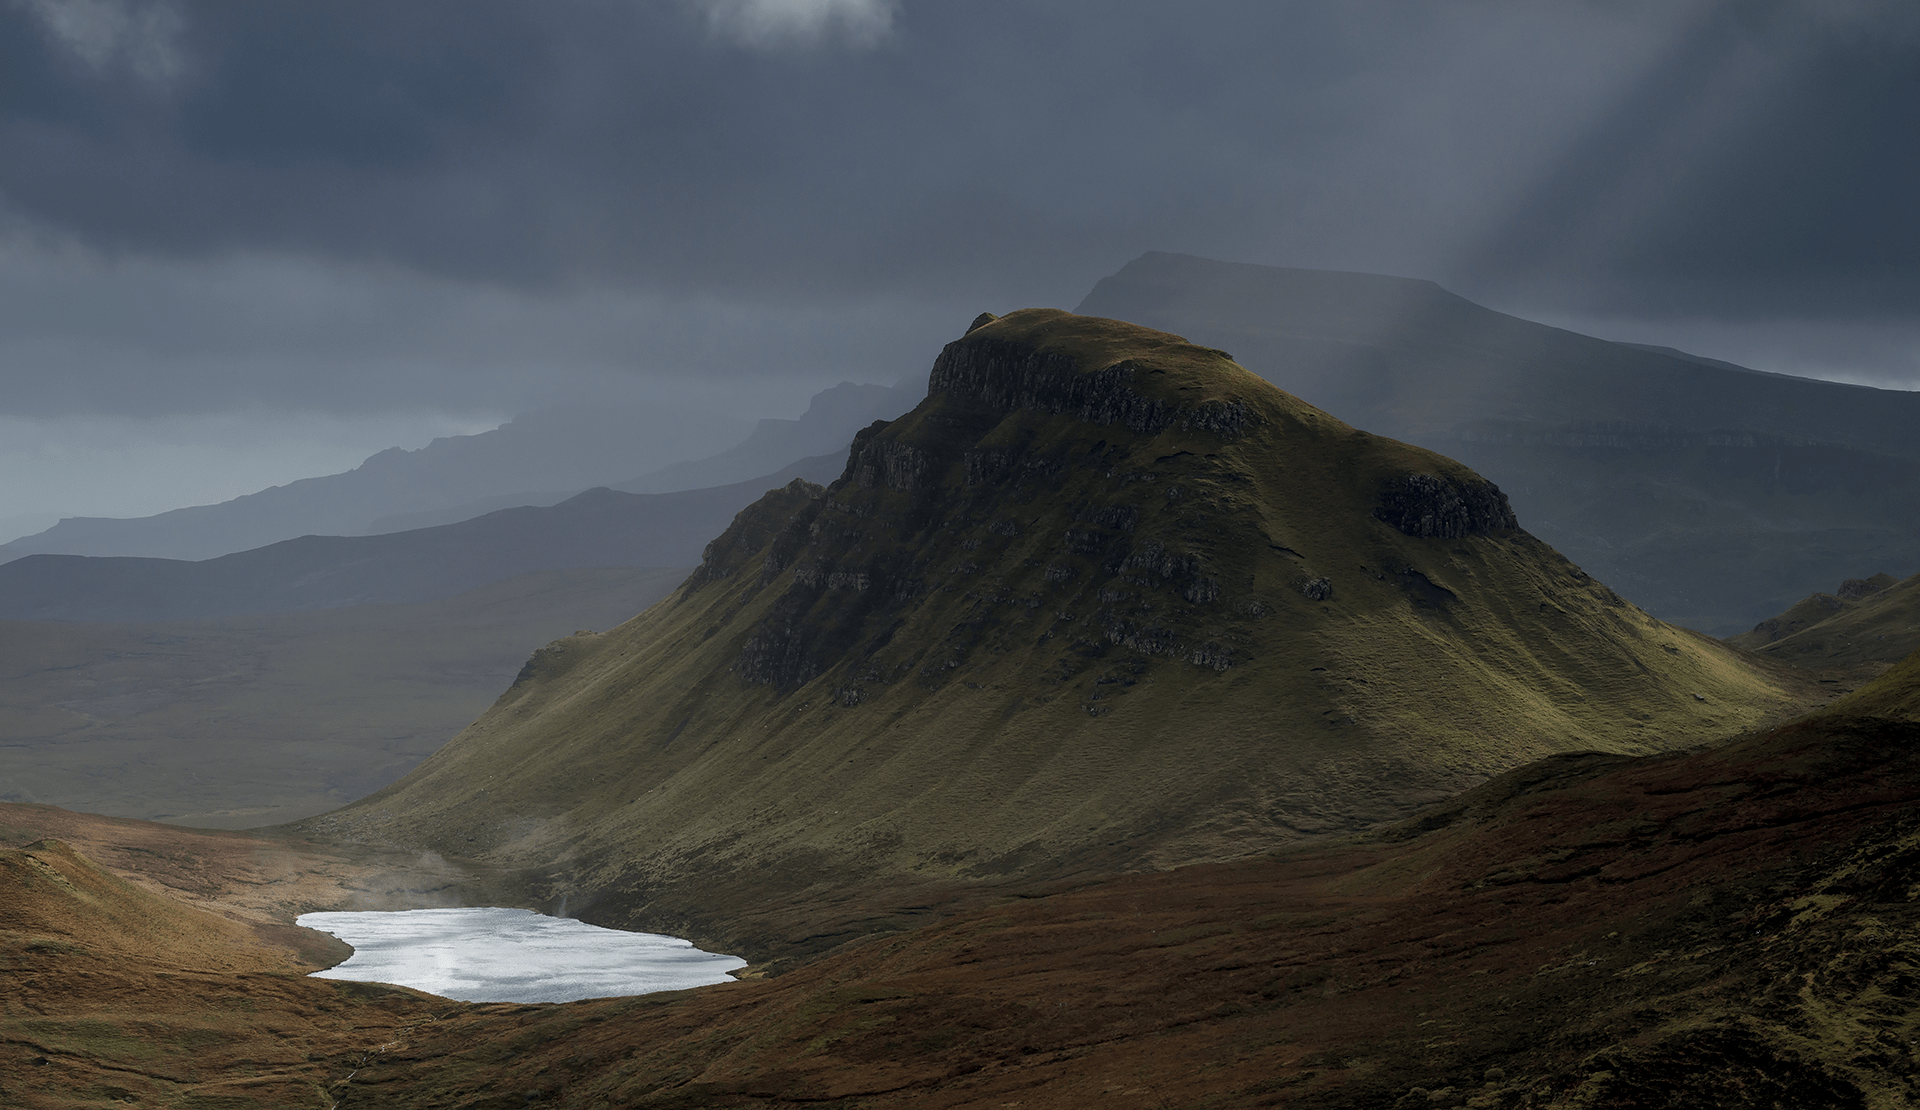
x=539 y=459
x=826 y=427
x=599 y=528
x=1709 y=493
x=567 y=448
x=1104 y=600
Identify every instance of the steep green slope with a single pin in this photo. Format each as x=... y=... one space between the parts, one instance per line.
x=1104 y=600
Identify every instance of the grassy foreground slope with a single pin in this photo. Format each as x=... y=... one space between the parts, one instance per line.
x=1729 y=928
x=116 y=995
x=1732 y=928
x=1105 y=600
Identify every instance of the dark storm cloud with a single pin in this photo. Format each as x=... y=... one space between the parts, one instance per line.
x=320 y=217
x=151 y=337
x=1715 y=153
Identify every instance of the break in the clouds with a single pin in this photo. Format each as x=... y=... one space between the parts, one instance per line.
x=776 y=24
x=115 y=34
x=452 y=205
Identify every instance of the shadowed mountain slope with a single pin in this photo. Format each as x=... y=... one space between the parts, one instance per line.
x=599 y=528
x=1710 y=494
x=1866 y=622
x=1104 y=600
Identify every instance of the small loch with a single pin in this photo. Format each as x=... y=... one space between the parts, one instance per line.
x=493 y=954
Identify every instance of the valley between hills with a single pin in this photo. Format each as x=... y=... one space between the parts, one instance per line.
x=1116 y=729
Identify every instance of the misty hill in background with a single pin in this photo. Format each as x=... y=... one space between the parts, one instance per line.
x=1710 y=494
x=567 y=449
x=599 y=528
x=827 y=426
x=1103 y=600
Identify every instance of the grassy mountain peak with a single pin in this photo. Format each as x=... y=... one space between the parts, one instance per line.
x=1104 y=600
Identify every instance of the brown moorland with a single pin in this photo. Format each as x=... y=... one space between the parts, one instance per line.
x=116 y=995
x=1729 y=928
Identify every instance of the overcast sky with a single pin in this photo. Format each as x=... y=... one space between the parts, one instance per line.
x=244 y=242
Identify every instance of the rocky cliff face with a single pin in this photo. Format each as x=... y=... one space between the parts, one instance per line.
x=914 y=516
x=1432 y=507
x=863 y=555
x=1103 y=600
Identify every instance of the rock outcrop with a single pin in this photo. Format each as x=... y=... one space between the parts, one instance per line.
x=1428 y=506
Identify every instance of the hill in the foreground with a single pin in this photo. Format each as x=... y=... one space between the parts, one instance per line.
x=1733 y=929
x=1103 y=601
x=124 y=993
x=1865 y=623
x=1730 y=928
x=1711 y=495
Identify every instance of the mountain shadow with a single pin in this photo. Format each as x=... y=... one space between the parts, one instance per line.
x=1710 y=494
x=831 y=419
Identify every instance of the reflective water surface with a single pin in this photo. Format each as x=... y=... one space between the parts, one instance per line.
x=501 y=955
